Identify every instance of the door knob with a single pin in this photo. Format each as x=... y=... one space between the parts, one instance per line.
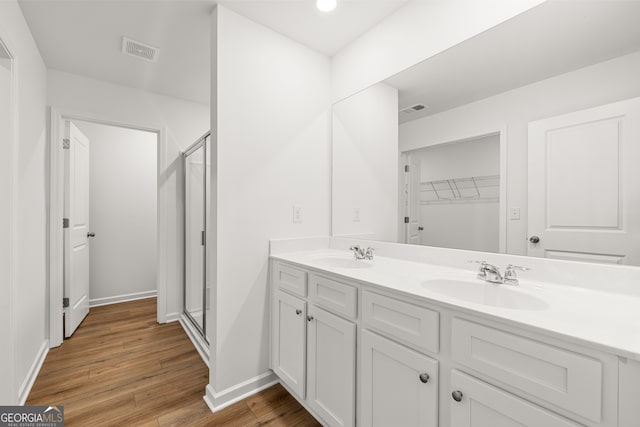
x=534 y=239
x=90 y=234
x=457 y=395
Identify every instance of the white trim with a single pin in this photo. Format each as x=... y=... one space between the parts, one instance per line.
x=56 y=199
x=218 y=401
x=34 y=370
x=12 y=152
x=171 y=317
x=198 y=342
x=122 y=298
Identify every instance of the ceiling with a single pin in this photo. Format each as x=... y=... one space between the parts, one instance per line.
x=553 y=38
x=84 y=36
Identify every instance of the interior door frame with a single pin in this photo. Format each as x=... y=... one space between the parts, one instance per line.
x=56 y=212
x=501 y=131
x=12 y=388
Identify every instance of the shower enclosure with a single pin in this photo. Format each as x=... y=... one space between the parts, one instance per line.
x=197 y=173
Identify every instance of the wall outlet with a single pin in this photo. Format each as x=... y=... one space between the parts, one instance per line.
x=514 y=214
x=297 y=214
x=356 y=214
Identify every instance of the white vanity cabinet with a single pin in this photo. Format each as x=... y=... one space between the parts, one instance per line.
x=331 y=367
x=475 y=403
x=313 y=347
x=288 y=351
x=427 y=364
x=398 y=385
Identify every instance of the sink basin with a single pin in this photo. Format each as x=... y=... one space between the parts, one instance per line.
x=338 y=262
x=483 y=293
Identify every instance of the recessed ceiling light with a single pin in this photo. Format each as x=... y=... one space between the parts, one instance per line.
x=326 y=5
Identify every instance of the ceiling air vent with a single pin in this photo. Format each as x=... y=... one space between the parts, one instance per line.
x=413 y=109
x=139 y=50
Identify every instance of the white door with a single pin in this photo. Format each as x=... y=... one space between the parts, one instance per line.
x=412 y=191
x=399 y=386
x=288 y=355
x=331 y=357
x=584 y=185
x=76 y=235
x=478 y=404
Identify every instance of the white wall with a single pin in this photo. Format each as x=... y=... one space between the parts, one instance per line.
x=24 y=310
x=271 y=151
x=591 y=86
x=184 y=123
x=365 y=159
x=471 y=225
x=476 y=157
x=122 y=212
x=417 y=31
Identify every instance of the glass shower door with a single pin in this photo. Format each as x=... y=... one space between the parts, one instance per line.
x=195 y=235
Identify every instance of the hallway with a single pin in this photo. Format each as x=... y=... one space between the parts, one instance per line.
x=122 y=368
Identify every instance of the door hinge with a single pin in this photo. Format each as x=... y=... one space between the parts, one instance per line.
x=66 y=143
x=202 y=242
x=65 y=222
x=406 y=220
x=406 y=168
x=65 y=302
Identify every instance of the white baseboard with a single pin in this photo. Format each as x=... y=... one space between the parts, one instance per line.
x=172 y=317
x=198 y=342
x=217 y=401
x=122 y=298
x=34 y=370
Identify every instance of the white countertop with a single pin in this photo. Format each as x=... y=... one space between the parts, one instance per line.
x=607 y=321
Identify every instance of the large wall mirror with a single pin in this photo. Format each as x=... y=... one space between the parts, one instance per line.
x=524 y=140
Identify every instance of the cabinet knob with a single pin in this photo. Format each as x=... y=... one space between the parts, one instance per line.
x=457 y=395
x=424 y=377
x=298 y=312
x=534 y=239
x=309 y=318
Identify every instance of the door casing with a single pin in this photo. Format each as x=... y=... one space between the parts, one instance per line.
x=56 y=213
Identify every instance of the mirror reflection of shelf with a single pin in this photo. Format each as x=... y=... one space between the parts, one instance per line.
x=461 y=190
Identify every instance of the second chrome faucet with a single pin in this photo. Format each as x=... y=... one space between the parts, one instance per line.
x=491 y=273
x=362 y=253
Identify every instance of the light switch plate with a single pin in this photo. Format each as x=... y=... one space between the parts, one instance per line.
x=297 y=214
x=514 y=214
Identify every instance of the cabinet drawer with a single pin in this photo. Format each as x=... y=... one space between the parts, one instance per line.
x=334 y=296
x=480 y=404
x=568 y=380
x=415 y=326
x=290 y=279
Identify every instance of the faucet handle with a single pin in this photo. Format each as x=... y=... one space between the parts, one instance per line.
x=369 y=253
x=510 y=275
x=482 y=274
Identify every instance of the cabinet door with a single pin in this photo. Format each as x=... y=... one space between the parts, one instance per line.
x=477 y=404
x=288 y=341
x=331 y=367
x=399 y=386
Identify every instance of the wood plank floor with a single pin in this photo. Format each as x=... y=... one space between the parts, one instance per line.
x=121 y=368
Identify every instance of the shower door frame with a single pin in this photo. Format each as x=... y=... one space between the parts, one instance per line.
x=200 y=143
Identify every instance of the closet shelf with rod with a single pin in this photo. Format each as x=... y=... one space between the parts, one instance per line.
x=473 y=189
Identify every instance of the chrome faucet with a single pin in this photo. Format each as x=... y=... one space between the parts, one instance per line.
x=491 y=273
x=362 y=253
